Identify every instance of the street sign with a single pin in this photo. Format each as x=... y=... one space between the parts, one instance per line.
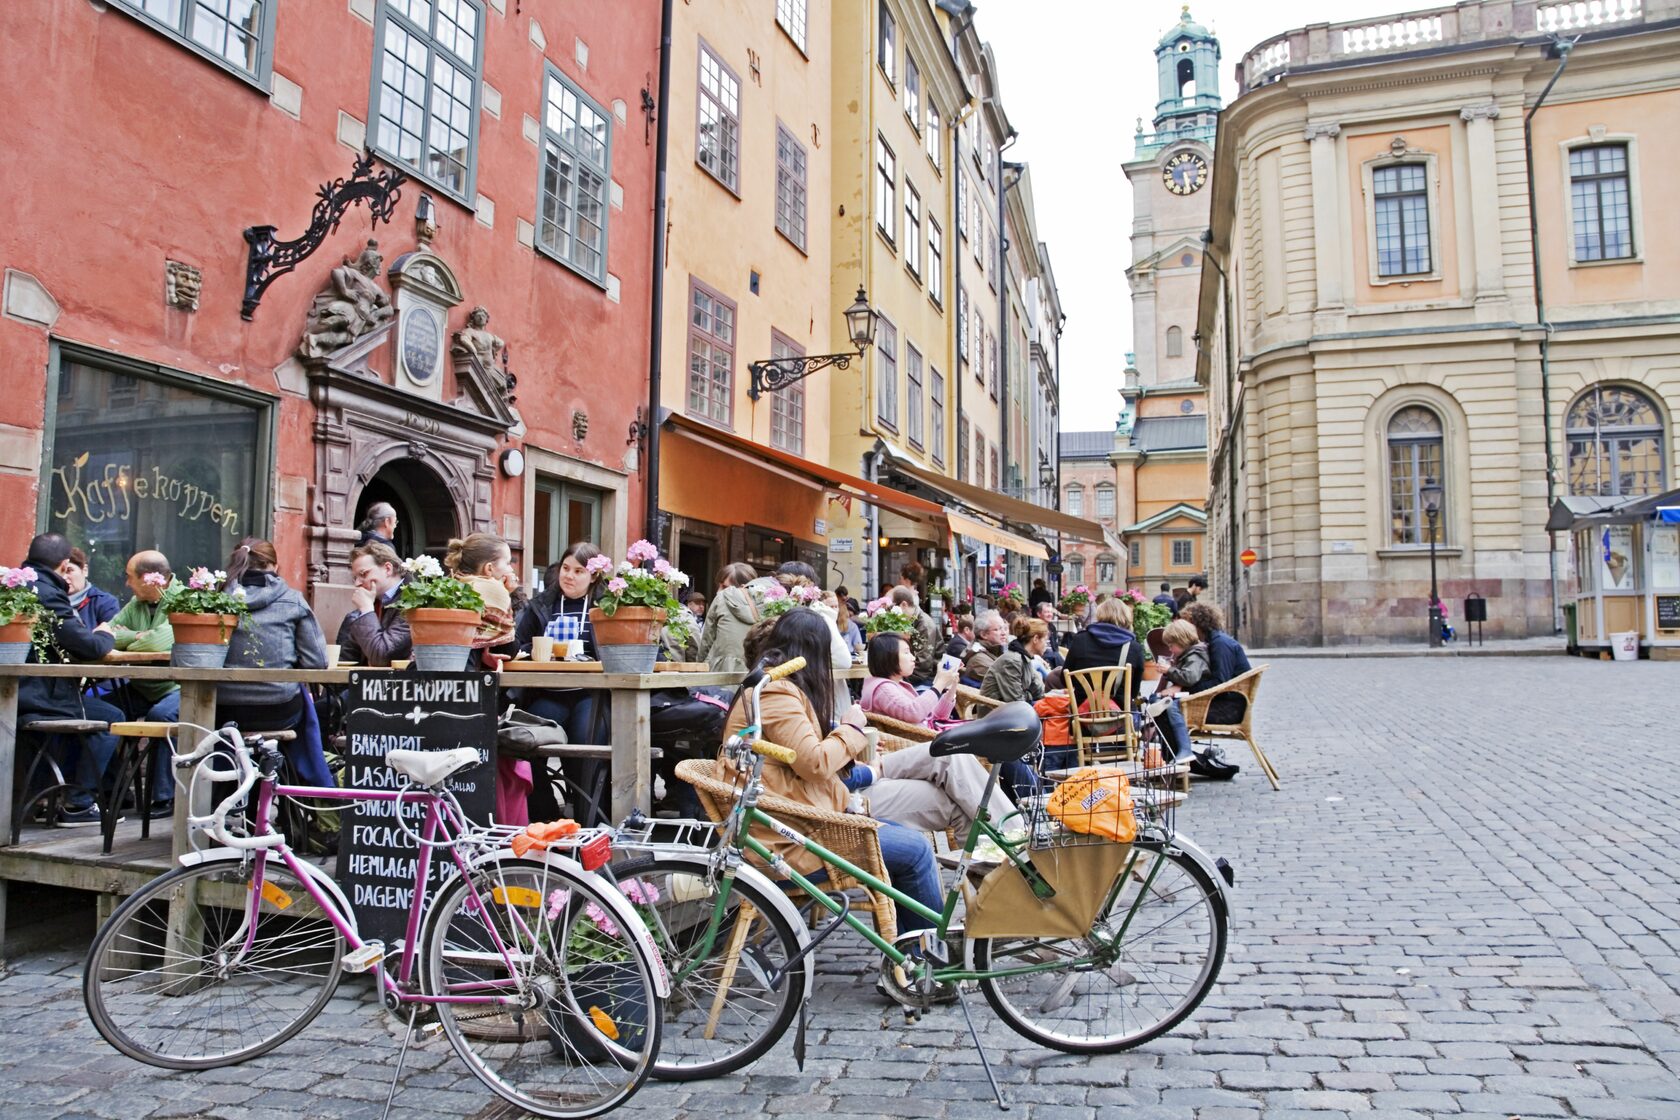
x=1248 y=557
x=1054 y=568
x=840 y=544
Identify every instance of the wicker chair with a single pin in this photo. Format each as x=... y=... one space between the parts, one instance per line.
x=1196 y=705
x=847 y=835
x=900 y=733
x=1105 y=723
x=971 y=704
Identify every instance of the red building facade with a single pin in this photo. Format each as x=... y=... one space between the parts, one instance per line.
x=142 y=410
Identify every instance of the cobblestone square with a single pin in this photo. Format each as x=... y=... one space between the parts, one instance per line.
x=1464 y=901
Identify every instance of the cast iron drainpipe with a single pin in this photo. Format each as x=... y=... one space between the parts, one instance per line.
x=656 y=331
x=1561 y=48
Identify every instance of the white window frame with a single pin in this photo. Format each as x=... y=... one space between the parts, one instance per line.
x=913 y=92
x=726 y=152
x=1105 y=500
x=581 y=160
x=1635 y=202
x=1073 y=499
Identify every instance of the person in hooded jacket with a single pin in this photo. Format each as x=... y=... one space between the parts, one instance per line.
x=280 y=633
x=1109 y=641
x=61 y=697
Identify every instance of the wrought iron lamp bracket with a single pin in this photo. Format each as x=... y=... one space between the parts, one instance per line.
x=270 y=259
x=779 y=373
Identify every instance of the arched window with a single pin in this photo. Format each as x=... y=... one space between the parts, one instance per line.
x=1175 y=342
x=1414 y=457
x=1615 y=439
x=1075 y=500
x=1105 y=500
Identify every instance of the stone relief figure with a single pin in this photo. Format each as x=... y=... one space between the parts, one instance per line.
x=475 y=341
x=350 y=306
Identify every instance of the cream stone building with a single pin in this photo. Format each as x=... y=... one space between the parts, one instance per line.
x=1371 y=318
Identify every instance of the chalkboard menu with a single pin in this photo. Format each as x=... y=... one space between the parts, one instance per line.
x=413 y=712
x=1668 y=612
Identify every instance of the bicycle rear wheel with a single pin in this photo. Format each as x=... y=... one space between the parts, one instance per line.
x=1122 y=996
x=581 y=1032
x=170 y=980
x=723 y=1013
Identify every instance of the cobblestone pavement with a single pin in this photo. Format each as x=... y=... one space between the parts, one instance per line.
x=1464 y=901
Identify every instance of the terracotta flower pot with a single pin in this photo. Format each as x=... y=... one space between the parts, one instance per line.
x=201 y=640
x=442 y=637
x=14 y=639
x=628 y=639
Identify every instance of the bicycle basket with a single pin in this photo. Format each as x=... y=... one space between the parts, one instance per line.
x=1097 y=805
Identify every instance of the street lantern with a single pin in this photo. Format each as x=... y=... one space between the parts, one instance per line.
x=778 y=373
x=1430 y=495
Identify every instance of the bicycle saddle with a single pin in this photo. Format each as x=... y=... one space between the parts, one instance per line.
x=428 y=768
x=1005 y=735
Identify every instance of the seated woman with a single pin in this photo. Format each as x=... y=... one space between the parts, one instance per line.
x=1109 y=641
x=1013 y=675
x=281 y=633
x=729 y=616
x=484 y=562
x=912 y=794
x=887 y=691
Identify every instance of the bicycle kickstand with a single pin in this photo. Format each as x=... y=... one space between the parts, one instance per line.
x=985 y=1063
x=402 y=1054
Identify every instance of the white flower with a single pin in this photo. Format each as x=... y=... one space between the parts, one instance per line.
x=424 y=566
x=679 y=579
x=219 y=575
x=238 y=591
x=626 y=566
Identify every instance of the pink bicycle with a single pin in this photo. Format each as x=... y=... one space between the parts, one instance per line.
x=542 y=976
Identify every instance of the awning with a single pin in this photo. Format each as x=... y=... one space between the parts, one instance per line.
x=1001 y=506
x=1001 y=538
x=873 y=492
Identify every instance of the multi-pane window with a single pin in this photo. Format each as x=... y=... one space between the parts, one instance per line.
x=992 y=363
x=718 y=145
x=994 y=456
x=962 y=189
x=979 y=457
x=912 y=229
x=962 y=446
x=913 y=395
x=790 y=186
x=962 y=323
x=576 y=167
x=1105 y=501
x=930 y=133
x=1414 y=458
x=235 y=34
x=1616 y=445
x=886 y=188
x=1134 y=553
x=886 y=373
x=1599 y=202
x=912 y=92
x=1105 y=569
x=426 y=99
x=936 y=414
x=936 y=261
x=886 y=44
x=991 y=255
x=711 y=354
x=1074 y=502
x=1075 y=570
x=790 y=17
x=1183 y=552
x=1402 y=219
x=787 y=405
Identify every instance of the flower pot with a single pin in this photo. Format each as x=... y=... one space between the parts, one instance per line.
x=14 y=639
x=201 y=640
x=609 y=993
x=442 y=638
x=627 y=626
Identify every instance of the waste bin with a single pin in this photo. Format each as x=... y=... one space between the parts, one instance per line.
x=1571 y=639
x=1624 y=645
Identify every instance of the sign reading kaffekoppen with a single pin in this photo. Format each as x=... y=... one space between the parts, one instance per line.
x=111 y=495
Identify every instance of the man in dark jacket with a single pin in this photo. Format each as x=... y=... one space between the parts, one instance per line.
x=1165 y=599
x=375 y=632
x=1040 y=594
x=61 y=697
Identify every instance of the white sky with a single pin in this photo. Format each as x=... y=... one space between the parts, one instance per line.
x=1075 y=76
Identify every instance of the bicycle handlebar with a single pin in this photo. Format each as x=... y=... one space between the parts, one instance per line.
x=244 y=771
x=785 y=669
x=771 y=750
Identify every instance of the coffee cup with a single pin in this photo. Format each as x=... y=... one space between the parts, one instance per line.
x=542 y=648
x=872 y=741
x=574 y=650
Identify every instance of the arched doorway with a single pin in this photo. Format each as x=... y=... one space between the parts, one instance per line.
x=425 y=510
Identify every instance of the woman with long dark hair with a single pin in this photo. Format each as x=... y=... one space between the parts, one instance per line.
x=561 y=612
x=911 y=794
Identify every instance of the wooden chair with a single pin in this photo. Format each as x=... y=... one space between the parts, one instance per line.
x=1195 y=708
x=137 y=743
x=971 y=704
x=848 y=835
x=1104 y=727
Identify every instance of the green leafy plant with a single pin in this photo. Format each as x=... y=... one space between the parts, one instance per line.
x=1146 y=616
x=203 y=594
x=883 y=617
x=428 y=586
x=643 y=579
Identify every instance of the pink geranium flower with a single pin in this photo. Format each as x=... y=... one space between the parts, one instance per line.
x=616 y=585
x=154 y=579
x=599 y=564
x=641 y=552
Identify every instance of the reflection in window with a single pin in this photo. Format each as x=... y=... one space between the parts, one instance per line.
x=231 y=32
x=427 y=91
x=787 y=405
x=1414 y=457
x=711 y=354
x=573 y=212
x=718 y=147
x=1616 y=443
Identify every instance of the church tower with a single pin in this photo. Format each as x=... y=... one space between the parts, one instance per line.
x=1160 y=452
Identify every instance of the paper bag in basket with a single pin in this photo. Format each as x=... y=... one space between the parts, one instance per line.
x=1096 y=801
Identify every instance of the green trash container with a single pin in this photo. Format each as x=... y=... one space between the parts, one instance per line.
x=1571 y=644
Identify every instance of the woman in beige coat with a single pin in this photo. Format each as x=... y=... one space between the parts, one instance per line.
x=728 y=618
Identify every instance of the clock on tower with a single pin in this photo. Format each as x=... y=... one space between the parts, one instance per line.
x=1184 y=173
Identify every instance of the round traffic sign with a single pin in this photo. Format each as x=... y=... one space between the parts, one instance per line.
x=1248 y=557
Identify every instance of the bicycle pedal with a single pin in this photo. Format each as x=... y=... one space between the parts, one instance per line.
x=432 y=1029
x=360 y=960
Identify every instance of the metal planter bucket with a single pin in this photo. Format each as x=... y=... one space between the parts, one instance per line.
x=633 y=657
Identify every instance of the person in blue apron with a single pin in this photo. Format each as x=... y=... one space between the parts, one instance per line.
x=561 y=612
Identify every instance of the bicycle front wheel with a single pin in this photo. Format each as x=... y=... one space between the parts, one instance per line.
x=1112 y=994
x=555 y=1007
x=206 y=967
x=732 y=993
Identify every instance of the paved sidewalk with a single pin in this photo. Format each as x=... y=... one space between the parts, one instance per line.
x=1465 y=901
x=1460 y=647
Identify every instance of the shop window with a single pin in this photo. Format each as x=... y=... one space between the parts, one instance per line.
x=145 y=458
x=1616 y=443
x=577 y=164
x=426 y=89
x=1183 y=552
x=563 y=514
x=237 y=35
x=718 y=147
x=1414 y=457
x=711 y=354
x=787 y=405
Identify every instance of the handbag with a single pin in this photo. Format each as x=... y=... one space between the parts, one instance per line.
x=519 y=734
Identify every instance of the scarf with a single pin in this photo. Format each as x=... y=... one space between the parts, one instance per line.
x=496 y=623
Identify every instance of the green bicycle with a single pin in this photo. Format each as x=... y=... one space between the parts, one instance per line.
x=1130 y=938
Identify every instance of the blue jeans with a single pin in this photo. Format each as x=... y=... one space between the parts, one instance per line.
x=574 y=711
x=93 y=762
x=1175 y=731
x=166 y=710
x=909 y=860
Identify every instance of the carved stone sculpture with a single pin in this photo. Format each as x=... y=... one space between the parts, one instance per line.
x=181 y=285
x=475 y=341
x=350 y=306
